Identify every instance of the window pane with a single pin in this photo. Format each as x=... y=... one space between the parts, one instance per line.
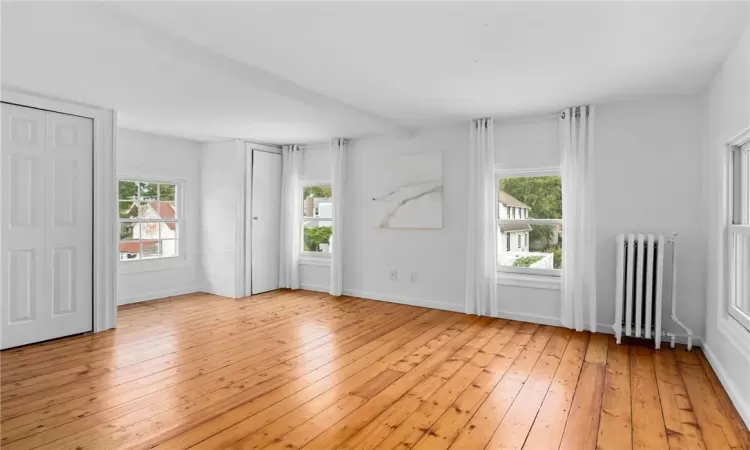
x=130 y=246
x=157 y=210
x=127 y=230
x=316 y=235
x=127 y=190
x=148 y=191
x=128 y=209
x=167 y=192
x=155 y=233
x=544 y=250
x=530 y=197
x=169 y=248
x=169 y=230
x=150 y=249
x=742 y=272
x=317 y=201
x=149 y=230
x=317 y=222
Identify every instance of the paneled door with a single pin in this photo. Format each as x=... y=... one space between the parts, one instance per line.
x=46 y=240
x=266 y=221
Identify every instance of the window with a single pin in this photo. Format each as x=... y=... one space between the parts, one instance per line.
x=538 y=200
x=317 y=218
x=149 y=220
x=739 y=236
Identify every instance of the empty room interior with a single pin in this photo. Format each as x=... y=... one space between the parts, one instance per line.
x=375 y=225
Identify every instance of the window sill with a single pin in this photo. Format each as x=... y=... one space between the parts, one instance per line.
x=156 y=265
x=528 y=281
x=735 y=332
x=315 y=259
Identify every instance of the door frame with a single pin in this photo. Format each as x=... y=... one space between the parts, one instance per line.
x=245 y=274
x=104 y=212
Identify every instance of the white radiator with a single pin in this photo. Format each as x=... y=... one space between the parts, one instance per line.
x=639 y=285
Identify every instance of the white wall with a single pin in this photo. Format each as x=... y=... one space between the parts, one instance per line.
x=727 y=106
x=528 y=143
x=647 y=179
x=222 y=168
x=316 y=163
x=156 y=157
x=436 y=255
x=647 y=170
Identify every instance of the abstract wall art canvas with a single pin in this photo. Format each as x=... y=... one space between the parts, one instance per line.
x=413 y=193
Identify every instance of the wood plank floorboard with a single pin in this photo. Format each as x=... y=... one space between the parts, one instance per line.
x=304 y=370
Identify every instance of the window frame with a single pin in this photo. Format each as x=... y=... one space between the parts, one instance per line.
x=305 y=256
x=161 y=263
x=501 y=173
x=738 y=211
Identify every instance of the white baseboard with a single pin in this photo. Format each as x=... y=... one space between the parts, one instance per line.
x=511 y=315
x=742 y=406
x=157 y=295
x=314 y=287
x=531 y=318
x=413 y=301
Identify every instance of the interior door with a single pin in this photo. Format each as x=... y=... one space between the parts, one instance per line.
x=266 y=221
x=46 y=232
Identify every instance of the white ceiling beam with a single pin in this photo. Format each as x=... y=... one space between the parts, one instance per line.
x=183 y=49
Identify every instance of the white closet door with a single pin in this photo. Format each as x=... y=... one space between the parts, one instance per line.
x=47 y=229
x=266 y=220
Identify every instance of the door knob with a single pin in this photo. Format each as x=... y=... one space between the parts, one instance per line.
x=255 y=217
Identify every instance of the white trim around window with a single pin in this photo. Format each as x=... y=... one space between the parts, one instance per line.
x=738 y=231
x=163 y=263
x=526 y=276
x=312 y=258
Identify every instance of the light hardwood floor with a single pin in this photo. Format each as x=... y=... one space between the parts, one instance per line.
x=304 y=370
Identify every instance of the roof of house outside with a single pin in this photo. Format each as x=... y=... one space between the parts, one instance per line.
x=506 y=227
x=165 y=210
x=135 y=246
x=509 y=200
x=318 y=200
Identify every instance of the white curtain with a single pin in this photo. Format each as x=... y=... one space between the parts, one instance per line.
x=481 y=247
x=579 y=240
x=338 y=185
x=291 y=216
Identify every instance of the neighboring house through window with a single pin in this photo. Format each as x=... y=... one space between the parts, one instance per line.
x=317 y=218
x=529 y=213
x=150 y=220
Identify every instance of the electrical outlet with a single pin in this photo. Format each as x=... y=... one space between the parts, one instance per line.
x=414 y=277
x=393 y=274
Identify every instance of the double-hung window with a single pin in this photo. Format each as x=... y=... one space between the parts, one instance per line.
x=529 y=213
x=317 y=218
x=150 y=219
x=738 y=235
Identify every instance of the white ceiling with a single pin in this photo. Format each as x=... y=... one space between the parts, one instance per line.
x=307 y=71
